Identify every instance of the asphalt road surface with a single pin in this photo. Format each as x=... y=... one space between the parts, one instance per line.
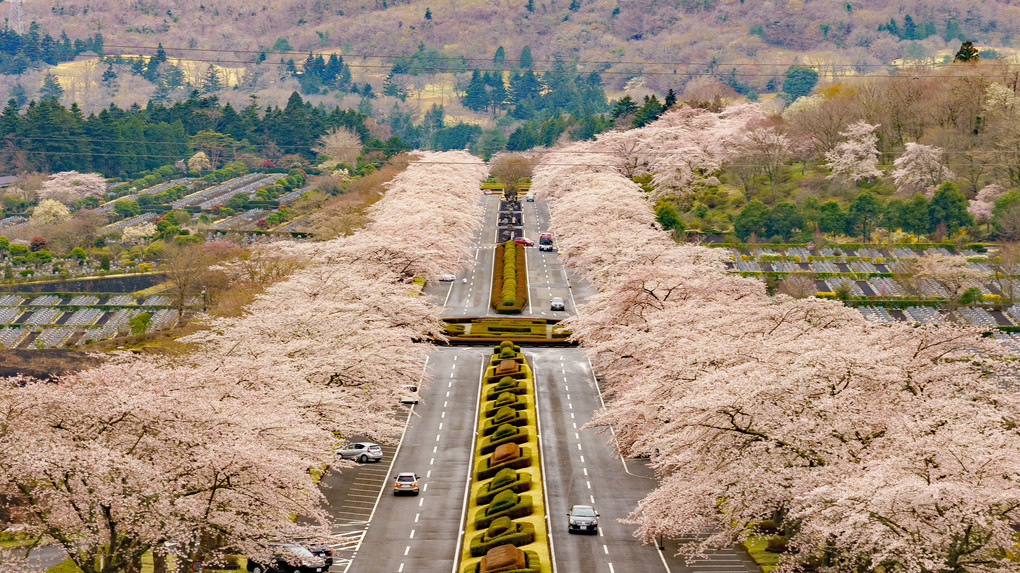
x=422 y=534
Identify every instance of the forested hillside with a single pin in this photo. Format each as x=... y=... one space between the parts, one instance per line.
x=680 y=44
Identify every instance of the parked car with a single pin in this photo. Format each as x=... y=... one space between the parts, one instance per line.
x=406 y=483
x=409 y=394
x=524 y=241
x=556 y=303
x=319 y=550
x=289 y=558
x=447 y=278
x=582 y=518
x=361 y=451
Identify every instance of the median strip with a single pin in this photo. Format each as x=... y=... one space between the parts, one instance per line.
x=505 y=527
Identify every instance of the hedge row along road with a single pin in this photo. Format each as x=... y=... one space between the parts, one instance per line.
x=506 y=520
x=423 y=534
x=509 y=279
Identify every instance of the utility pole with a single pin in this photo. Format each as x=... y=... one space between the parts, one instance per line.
x=14 y=16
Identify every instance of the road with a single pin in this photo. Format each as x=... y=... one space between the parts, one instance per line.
x=423 y=534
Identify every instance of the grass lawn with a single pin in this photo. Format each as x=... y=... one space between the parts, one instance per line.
x=765 y=559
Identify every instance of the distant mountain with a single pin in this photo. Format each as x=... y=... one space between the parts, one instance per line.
x=745 y=44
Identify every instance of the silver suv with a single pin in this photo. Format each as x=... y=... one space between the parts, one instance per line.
x=406 y=483
x=556 y=303
x=361 y=451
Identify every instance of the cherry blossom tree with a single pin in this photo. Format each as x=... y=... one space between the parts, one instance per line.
x=70 y=186
x=199 y=161
x=340 y=144
x=136 y=232
x=983 y=203
x=920 y=169
x=952 y=272
x=121 y=459
x=856 y=158
x=212 y=448
x=754 y=407
x=49 y=212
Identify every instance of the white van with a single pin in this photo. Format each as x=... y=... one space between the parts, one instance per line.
x=409 y=394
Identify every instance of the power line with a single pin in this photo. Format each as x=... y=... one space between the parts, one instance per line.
x=428 y=162
x=351 y=148
x=849 y=69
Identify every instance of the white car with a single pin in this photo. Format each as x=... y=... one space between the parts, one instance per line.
x=361 y=451
x=406 y=483
x=447 y=278
x=409 y=394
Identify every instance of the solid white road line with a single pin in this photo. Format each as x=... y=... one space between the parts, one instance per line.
x=467 y=483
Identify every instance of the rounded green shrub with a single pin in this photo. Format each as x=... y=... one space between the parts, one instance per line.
x=503 y=501
x=499 y=526
x=504 y=415
x=505 y=431
x=503 y=477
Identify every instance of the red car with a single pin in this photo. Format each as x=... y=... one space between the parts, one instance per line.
x=524 y=241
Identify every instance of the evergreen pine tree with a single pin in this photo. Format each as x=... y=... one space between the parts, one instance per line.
x=525 y=62
x=476 y=98
x=51 y=87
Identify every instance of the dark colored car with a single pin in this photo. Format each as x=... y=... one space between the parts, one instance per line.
x=582 y=519
x=319 y=550
x=289 y=558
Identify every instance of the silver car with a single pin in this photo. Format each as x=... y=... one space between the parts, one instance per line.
x=406 y=483
x=361 y=451
x=556 y=303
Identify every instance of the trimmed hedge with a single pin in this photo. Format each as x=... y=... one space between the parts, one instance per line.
x=509 y=280
x=516 y=482
x=505 y=504
x=515 y=534
x=515 y=401
x=518 y=419
x=513 y=385
x=484 y=471
x=506 y=441
x=531 y=562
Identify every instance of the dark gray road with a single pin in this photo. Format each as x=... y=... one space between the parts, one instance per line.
x=422 y=534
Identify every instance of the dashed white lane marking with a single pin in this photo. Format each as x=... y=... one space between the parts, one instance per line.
x=611 y=570
x=437 y=438
x=407 y=550
x=447 y=393
x=605 y=550
x=428 y=474
x=582 y=459
x=592 y=498
x=442 y=415
x=571 y=415
x=576 y=436
x=574 y=424
x=421 y=502
x=444 y=403
x=401 y=568
x=416 y=516
x=432 y=461
x=435 y=449
x=587 y=483
x=440 y=425
x=585 y=472
x=425 y=487
x=451 y=374
x=412 y=535
x=578 y=447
